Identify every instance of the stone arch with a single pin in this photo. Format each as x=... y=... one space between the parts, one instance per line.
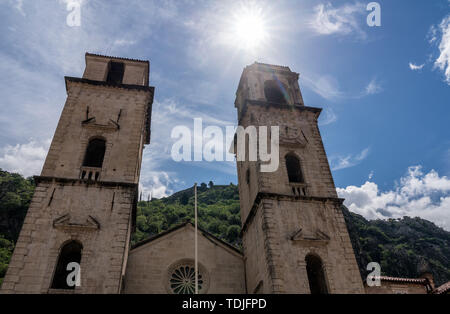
x=294 y=168
x=316 y=274
x=275 y=92
x=71 y=251
x=95 y=152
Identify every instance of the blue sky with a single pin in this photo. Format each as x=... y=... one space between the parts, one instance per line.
x=385 y=90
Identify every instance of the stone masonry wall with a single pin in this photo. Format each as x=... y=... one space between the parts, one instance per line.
x=123 y=156
x=148 y=265
x=35 y=256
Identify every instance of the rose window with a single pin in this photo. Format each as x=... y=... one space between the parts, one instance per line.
x=181 y=278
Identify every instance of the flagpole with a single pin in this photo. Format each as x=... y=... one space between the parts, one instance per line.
x=196 y=240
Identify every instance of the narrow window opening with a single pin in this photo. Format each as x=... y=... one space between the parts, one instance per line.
x=273 y=91
x=115 y=73
x=294 y=169
x=70 y=253
x=95 y=153
x=316 y=275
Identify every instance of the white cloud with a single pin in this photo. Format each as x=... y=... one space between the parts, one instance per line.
x=328 y=87
x=18 y=5
x=168 y=113
x=416 y=195
x=432 y=35
x=343 y=20
x=415 y=67
x=156 y=184
x=328 y=117
x=124 y=42
x=348 y=161
x=374 y=87
x=443 y=61
x=325 y=86
x=26 y=159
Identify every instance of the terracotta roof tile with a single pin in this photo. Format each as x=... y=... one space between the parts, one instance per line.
x=112 y=57
x=423 y=281
x=442 y=289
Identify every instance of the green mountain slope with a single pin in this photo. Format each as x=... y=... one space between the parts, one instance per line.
x=398 y=245
x=218 y=212
x=15 y=196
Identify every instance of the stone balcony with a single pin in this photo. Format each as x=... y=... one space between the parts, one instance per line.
x=90 y=173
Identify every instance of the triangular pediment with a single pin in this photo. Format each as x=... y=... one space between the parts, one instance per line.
x=110 y=125
x=68 y=222
x=310 y=235
x=188 y=227
x=290 y=136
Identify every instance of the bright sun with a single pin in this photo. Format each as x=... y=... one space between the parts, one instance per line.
x=249 y=28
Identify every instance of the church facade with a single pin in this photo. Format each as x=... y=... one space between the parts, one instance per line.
x=83 y=212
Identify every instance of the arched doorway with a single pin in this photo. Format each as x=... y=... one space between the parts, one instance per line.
x=316 y=275
x=70 y=253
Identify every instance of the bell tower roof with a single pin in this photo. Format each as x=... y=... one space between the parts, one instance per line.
x=88 y=54
x=269 y=84
x=270 y=67
x=116 y=70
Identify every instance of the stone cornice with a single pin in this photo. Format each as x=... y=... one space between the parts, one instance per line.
x=283 y=106
x=272 y=68
x=70 y=79
x=283 y=197
x=39 y=179
x=261 y=103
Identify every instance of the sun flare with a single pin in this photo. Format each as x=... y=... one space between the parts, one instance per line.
x=250 y=29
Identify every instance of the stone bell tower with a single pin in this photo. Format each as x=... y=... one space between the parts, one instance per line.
x=294 y=235
x=83 y=209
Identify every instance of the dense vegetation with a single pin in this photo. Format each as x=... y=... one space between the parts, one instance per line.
x=218 y=212
x=15 y=196
x=398 y=245
x=403 y=247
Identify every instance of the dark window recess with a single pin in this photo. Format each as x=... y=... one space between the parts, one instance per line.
x=247 y=176
x=294 y=169
x=274 y=93
x=316 y=275
x=70 y=253
x=95 y=153
x=115 y=73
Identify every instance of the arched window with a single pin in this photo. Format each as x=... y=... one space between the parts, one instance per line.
x=70 y=253
x=316 y=275
x=274 y=92
x=95 y=153
x=294 y=169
